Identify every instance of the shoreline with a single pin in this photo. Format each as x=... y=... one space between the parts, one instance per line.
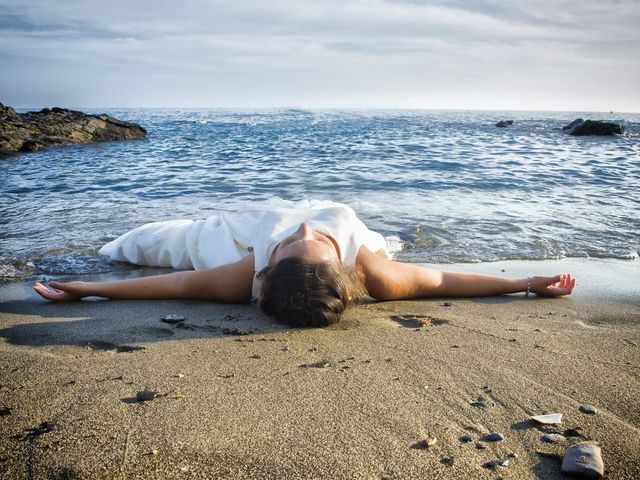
x=598 y=278
x=243 y=398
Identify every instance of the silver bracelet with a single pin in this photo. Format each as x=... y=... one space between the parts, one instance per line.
x=528 y=287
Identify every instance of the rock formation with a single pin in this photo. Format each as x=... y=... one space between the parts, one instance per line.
x=504 y=123
x=593 y=127
x=27 y=132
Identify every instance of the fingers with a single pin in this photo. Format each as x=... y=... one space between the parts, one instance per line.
x=555 y=286
x=49 y=293
x=567 y=282
x=43 y=291
x=564 y=286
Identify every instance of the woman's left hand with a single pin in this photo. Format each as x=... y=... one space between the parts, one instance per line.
x=553 y=286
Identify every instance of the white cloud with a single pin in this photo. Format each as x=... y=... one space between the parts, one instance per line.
x=430 y=54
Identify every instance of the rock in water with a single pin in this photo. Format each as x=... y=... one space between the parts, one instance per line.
x=577 y=121
x=594 y=127
x=504 y=123
x=583 y=460
x=32 y=131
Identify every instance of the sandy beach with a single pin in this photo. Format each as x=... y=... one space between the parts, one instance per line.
x=238 y=397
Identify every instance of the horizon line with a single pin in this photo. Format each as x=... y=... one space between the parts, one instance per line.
x=365 y=108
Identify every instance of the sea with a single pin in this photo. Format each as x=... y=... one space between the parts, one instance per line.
x=443 y=186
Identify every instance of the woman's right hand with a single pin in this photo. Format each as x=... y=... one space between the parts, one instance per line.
x=60 y=292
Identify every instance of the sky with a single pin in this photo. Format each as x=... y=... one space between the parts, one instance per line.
x=571 y=55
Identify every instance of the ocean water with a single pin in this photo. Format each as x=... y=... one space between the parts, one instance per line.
x=449 y=185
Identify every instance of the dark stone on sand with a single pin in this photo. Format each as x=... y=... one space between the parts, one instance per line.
x=4 y=411
x=553 y=438
x=499 y=462
x=504 y=123
x=448 y=461
x=494 y=437
x=171 y=319
x=480 y=402
x=572 y=432
x=588 y=409
x=583 y=460
x=594 y=127
x=33 y=131
x=146 y=395
x=466 y=438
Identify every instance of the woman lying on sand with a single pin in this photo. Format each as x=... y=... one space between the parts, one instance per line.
x=303 y=263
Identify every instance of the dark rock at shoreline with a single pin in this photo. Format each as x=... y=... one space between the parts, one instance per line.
x=594 y=127
x=32 y=131
x=504 y=123
x=577 y=121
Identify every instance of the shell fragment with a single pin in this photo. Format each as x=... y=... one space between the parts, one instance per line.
x=549 y=419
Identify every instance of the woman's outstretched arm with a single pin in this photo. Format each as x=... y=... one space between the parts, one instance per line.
x=389 y=280
x=228 y=283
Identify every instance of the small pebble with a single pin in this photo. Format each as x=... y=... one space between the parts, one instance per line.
x=321 y=364
x=501 y=462
x=172 y=318
x=146 y=395
x=448 y=461
x=466 y=438
x=553 y=438
x=5 y=411
x=494 y=437
x=480 y=446
x=447 y=304
x=583 y=460
x=179 y=375
x=588 y=409
x=481 y=402
x=513 y=455
x=429 y=442
x=154 y=452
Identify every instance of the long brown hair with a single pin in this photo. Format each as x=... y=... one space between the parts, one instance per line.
x=305 y=293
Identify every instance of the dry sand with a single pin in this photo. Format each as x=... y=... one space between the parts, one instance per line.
x=348 y=402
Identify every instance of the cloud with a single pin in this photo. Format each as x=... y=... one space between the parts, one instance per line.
x=364 y=49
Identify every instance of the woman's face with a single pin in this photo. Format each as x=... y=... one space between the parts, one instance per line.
x=306 y=243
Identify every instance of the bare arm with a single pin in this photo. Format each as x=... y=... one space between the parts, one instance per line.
x=389 y=280
x=229 y=283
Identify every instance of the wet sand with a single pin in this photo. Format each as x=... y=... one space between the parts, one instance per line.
x=243 y=398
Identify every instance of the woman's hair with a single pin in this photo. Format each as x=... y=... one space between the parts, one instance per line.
x=305 y=293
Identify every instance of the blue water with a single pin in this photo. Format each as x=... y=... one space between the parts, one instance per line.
x=449 y=184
